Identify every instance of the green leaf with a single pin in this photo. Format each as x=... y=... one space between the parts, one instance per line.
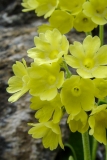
x=75 y=140
x=74 y=148
x=65 y=154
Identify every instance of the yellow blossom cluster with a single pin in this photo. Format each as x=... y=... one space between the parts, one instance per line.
x=64 y=15
x=53 y=94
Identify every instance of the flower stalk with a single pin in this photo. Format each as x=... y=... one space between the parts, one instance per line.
x=68 y=73
x=94 y=148
x=86 y=146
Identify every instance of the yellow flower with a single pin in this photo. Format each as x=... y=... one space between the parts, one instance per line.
x=41 y=7
x=100 y=88
x=98 y=123
x=50 y=47
x=18 y=83
x=79 y=122
x=83 y=23
x=89 y=59
x=76 y=94
x=96 y=10
x=74 y=6
x=45 y=80
x=49 y=132
x=47 y=109
x=61 y=20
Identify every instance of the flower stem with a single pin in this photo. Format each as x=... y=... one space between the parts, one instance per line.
x=86 y=146
x=101 y=33
x=68 y=73
x=94 y=148
x=73 y=152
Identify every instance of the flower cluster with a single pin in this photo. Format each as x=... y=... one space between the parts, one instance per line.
x=54 y=93
x=64 y=15
x=54 y=90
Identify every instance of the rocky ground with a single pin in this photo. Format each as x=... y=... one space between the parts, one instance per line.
x=17 y=31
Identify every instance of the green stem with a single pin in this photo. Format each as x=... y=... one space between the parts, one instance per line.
x=68 y=73
x=101 y=33
x=88 y=33
x=94 y=149
x=86 y=146
x=106 y=152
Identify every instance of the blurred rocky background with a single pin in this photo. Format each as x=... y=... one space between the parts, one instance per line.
x=17 y=31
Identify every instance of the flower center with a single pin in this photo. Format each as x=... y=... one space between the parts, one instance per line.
x=53 y=54
x=99 y=11
x=88 y=63
x=85 y=20
x=76 y=91
x=51 y=79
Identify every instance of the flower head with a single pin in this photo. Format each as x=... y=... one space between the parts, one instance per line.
x=49 y=132
x=41 y=7
x=98 y=123
x=18 y=83
x=96 y=10
x=77 y=94
x=47 y=109
x=79 y=122
x=83 y=23
x=45 y=80
x=89 y=59
x=50 y=47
